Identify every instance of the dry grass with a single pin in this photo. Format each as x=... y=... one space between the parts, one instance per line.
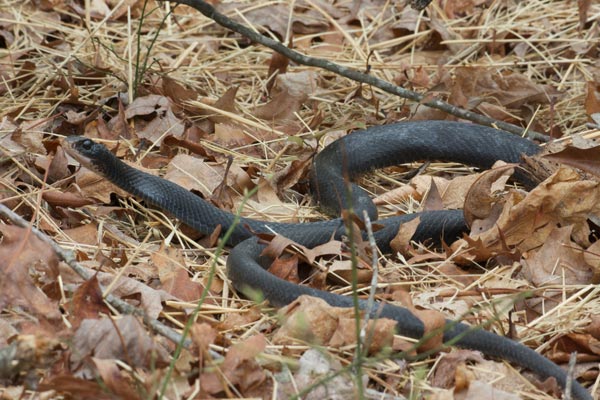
x=57 y=61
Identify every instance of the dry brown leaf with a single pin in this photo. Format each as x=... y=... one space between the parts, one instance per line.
x=290 y=91
x=276 y=17
x=230 y=135
x=193 y=173
x=306 y=319
x=344 y=269
x=587 y=160
x=123 y=339
x=279 y=244
x=77 y=387
x=434 y=323
x=239 y=320
x=150 y=299
x=484 y=88
x=286 y=268
x=445 y=370
x=226 y=103
x=173 y=274
x=66 y=199
x=85 y=234
x=87 y=303
x=526 y=221
x=480 y=197
x=26 y=260
x=92 y=187
x=312 y=320
x=22 y=138
x=559 y=261
x=239 y=367
x=592 y=98
x=594 y=327
x=203 y=335
x=277 y=66
x=176 y=91
x=398 y=195
x=401 y=242
x=456 y=191
x=163 y=120
x=379 y=333
x=289 y=176
x=433 y=200
x=116 y=380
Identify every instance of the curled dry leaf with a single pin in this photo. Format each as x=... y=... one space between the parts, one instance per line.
x=526 y=221
x=290 y=175
x=480 y=198
x=26 y=137
x=480 y=86
x=279 y=244
x=559 y=262
x=286 y=268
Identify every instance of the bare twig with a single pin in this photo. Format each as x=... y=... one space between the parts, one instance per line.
x=221 y=19
x=374 y=266
x=571 y=371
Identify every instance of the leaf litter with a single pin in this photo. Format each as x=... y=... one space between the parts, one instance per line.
x=209 y=96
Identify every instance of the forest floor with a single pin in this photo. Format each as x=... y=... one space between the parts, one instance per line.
x=172 y=92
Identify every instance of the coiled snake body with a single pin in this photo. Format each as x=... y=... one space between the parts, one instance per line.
x=355 y=153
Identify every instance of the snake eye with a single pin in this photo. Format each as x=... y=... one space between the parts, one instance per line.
x=87 y=144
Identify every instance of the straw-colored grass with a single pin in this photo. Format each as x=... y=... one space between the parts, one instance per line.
x=59 y=59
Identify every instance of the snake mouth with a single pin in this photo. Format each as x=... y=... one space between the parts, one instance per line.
x=84 y=151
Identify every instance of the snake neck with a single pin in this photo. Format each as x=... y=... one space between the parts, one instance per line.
x=115 y=170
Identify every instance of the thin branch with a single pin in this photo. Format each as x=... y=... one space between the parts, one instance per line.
x=355 y=75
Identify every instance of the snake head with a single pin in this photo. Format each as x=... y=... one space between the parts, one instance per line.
x=92 y=155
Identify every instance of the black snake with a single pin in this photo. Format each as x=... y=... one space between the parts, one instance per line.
x=355 y=153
